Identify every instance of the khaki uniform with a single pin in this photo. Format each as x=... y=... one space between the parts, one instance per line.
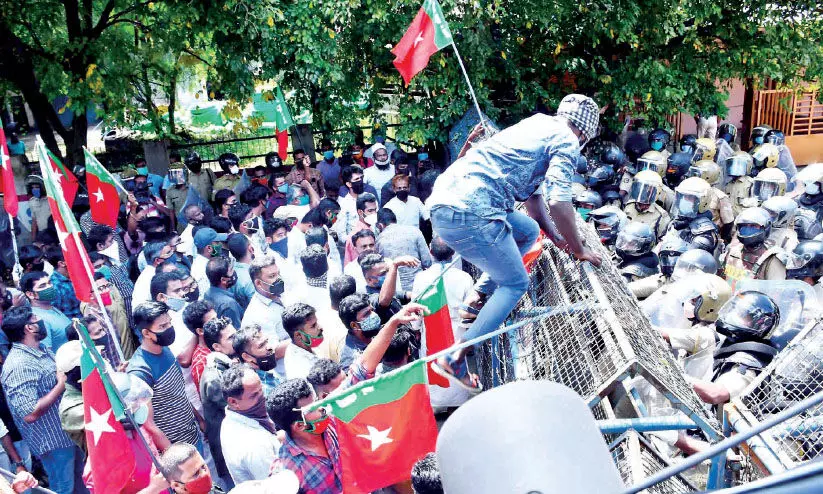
x=643 y=288
x=176 y=198
x=759 y=263
x=738 y=190
x=721 y=207
x=202 y=182
x=40 y=212
x=626 y=182
x=227 y=181
x=656 y=217
x=784 y=238
x=666 y=198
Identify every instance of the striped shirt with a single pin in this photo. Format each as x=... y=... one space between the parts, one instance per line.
x=28 y=375
x=173 y=412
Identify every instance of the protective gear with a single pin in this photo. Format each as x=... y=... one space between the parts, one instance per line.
x=651 y=214
x=770 y=182
x=707 y=170
x=370 y=325
x=688 y=144
x=727 y=132
x=654 y=161
x=691 y=198
x=193 y=162
x=739 y=191
x=357 y=187
x=175 y=304
x=782 y=210
x=312 y=341
x=701 y=233
x=753 y=226
x=775 y=137
x=277 y=288
x=48 y=294
x=765 y=156
x=581 y=111
x=587 y=201
x=758 y=135
x=600 y=177
x=200 y=485
x=739 y=164
x=705 y=149
x=676 y=167
x=634 y=240
x=805 y=261
x=177 y=176
x=694 y=261
x=166 y=338
x=671 y=248
x=645 y=187
x=608 y=220
x=612 y=155
x=582 y=165
x=273 y=160
x=659 y=139
x=611 y=198
x=749 y=315
x=806 y=224
x=266 y=363
x=638 y=268
x=227 y=161
x=712 y=293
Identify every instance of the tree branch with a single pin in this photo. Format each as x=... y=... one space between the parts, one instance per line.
x=107 y=20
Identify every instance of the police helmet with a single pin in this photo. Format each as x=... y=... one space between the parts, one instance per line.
x=671 y=248
x=688 y=143
x=806 y=224
x=192 y=159
x=705 y=149
x=612 y=155
x=775 y=137
x=782 y=210
x=711 y=294
x=769 y=182
x=659 y=139
x=646 y=187
x=639 y=268
x=178 y=175
x=758 y=135
x=581 y=165
x=600 y=176
x=588 y=199
x=805 y=261
x=677 y=166
x=739 y=164
x=708 y=170
x=748 y=315
x=652 y=160
x=608 y=220
x=227 y=160
x=273 y=160
x=694 y=261
x=611 y=197
x=753 y=226
x=765 y=156
x=691 y=197
x=727 y=132
x=634 y=240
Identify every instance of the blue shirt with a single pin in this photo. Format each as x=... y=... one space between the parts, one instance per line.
x=65 y=301
x=225 y=305
x=244 y=288
x=509 y=167
x=28 y=375
x=56 y=324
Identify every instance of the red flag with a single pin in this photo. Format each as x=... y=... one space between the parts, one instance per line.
x=533 y=253
x=384 y=425
x=427 y=34
x=439 y=334
x=7 y=177
x=103 y=198
x=110 y=457
x=65 y=178
x=283 y=144
x=68 y=231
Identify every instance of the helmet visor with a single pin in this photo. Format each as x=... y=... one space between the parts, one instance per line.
x=645 y=164
x=684 y=268
x=798 y=261
x=669 y=258
x=643 y=193
x=606 y=222
x=764 y=190
x=745 y=313
x=686 y=205
x=747 y=230
x=694 y=171
x=628 y=243
x=177 y=176
x=737 y=166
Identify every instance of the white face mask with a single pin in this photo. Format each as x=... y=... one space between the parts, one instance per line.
x=111 y=252
x=234 y=169
x=370 y=219
x=384 y=162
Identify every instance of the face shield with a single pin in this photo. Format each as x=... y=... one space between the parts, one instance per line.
x=812 y=188
x=737 y=166
x=644 y=164
x=797 y=261
x=686 y=205
x=630 y=244
x=668 y=260
x=643 y=193
x=694 y=171
x=746 y=314
x=606 y=226
x=177 y=176
x=763 y=190
x=685 y=268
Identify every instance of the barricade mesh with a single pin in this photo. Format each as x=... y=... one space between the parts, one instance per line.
x=596 y=335
x=636 y=459
x=795 y=374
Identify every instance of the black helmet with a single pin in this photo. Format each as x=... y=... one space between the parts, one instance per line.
x=610 y=196
x=759 y=133
x=588 y=199
x=748 y=315
x=582 y=165
x=612 y=155
x=659 y=139
x=273 y=160
x=806 y=224
x=688 y=144
x=775 y=137
x=635 y=148
x=635 y=240
x=600 y=176
x=192 y=159
x=671 y=248
x=753 y=226
x=677 y=166
x=727 y=132
x=805 y=261
x=228 y=159
x=639 y=268
x=608 y=220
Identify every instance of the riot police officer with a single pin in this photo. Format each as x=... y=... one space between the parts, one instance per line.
x=694 y=261
x=782 y=210
x=769 y=182
x=641 y=203
x=677 y=166
x=608 y=221
x=634 y=248
x=692 y=218
x=758 y=135
x=669 y=251
x=739 y=187
x=812 y=197
x=704 y=149
x=587 y=201
x=230 y=164
x=688 y=144
x=656 y=162
x=750 y=257
x=805 y=263
x=806 y=225
x=719 y=203
x=728 y=132
x=659 y=141
x=764 y=156
x=785 y=161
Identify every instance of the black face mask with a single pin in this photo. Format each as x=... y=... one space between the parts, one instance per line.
x=165 y=338
x=357 y=187
x=277 y=288
x=42 y=331
x=195 y=167
x=37 y=266
x=194 y=295
x=403 y=171
x=73 y=377
x=232 y=280
x=266 y=363
x=403 y=195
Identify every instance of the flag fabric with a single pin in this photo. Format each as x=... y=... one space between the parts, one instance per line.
x=7 y=177
x=112 y=462
x=284 y=121
x=68 y=231
x=428 y=33
x=65 y=178
x=438 y=326
x=384 y=426
x=531 y=256
x=103 y=197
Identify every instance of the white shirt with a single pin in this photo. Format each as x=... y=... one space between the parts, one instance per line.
x=142 y=287
x=354 y=270
x=268 y=314
x=408 y=213
x=187 y=241
x=314 y=296
x=198 y=272
x=297 y=244
x=347 y=217
x=334 y=334
x=182 y=338
x=377 y=178
x=298 y=362
x=248 y=448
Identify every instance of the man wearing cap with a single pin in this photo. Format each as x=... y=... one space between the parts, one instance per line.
x=383 y=170
x=209 y=244
x=473 y=208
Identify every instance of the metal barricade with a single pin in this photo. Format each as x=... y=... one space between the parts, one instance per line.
x=637 y=459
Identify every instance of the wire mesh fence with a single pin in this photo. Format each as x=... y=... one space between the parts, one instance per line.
x=796 y=373
x=637 y=459
x=595 y=337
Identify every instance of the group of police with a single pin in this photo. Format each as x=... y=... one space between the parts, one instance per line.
x=705 y=210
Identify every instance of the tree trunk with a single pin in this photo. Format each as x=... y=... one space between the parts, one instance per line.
x=172 y=101
x=74 y=145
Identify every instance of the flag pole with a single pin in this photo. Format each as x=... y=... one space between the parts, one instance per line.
x=17 y=267
x=106 y=377
x=115 y=336
x=471 y=88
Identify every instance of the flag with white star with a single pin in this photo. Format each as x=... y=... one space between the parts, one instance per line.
x=104 y=200
x=7 y=177
x=68 y=231
x=111 y=457
x=384 y=426
x=68 y=183
x=428 y=33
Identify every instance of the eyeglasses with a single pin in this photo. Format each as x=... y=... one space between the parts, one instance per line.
x=105 y=287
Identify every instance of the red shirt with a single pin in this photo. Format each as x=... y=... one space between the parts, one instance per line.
x=198 y=364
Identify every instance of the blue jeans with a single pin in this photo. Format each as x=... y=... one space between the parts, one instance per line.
x=64 y=467
x=496 y=247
